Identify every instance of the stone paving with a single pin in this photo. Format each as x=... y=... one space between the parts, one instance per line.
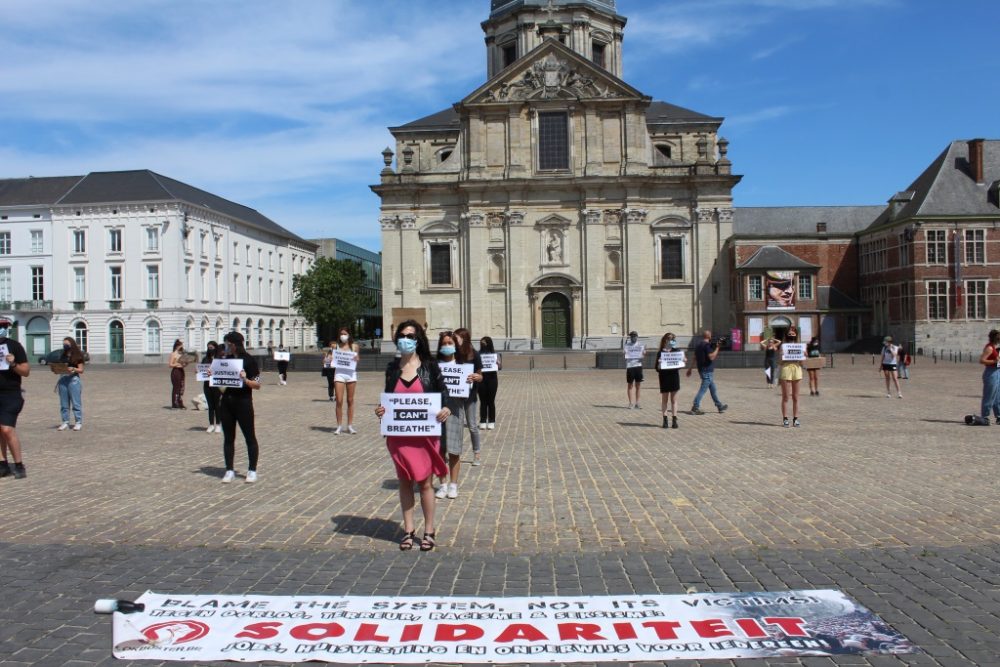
x=896 y=502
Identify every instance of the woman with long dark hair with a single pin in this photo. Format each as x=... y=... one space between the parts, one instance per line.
x=416 y=458
x=212 y=394
x=177 y=362
x=488 y=390
x=70 y=386
x=466 y=354
x=670 y=382
x=236 y=407
x=346 y=380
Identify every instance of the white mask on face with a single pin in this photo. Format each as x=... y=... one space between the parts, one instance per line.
x=344 y=339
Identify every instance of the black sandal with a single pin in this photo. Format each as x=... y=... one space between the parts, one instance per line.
x=406 y=543
x=428 y=542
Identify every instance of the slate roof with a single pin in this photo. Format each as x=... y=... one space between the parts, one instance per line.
x=789 y=221
x=110 y=187
x=771 y=257
x=35 y=191
x=658 y=113
x=947 y=188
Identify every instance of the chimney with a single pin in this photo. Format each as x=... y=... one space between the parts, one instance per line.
x=976 y=160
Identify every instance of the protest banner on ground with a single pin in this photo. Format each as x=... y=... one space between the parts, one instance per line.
x=226 y=373
x=403 y=630
x=456 y=376
x=411 y=414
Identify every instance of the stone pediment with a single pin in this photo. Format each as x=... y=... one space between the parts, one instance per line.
x=552 y=72
x=554 y=220
x=440 y=228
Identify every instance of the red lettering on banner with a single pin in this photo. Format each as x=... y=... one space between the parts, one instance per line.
x=456 y=633
x=625 y=631
x=711 y=628
x=751 y=628
x=411 y=633
x=792 y=627
x=316 y=631
x=663 y=629
x=583 y=631
x=367 y=633
x=260 y=631
x=521 y=631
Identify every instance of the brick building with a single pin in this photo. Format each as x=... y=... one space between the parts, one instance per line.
x=929 y=264
x=797 y=266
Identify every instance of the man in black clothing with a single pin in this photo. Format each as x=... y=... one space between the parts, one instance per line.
x=13 y=367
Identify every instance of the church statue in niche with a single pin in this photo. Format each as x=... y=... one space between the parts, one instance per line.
x=554 y=248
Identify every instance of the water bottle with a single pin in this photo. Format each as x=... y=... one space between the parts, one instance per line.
x=109 y=606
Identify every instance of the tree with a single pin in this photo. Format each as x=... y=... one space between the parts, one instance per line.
x=331 y=294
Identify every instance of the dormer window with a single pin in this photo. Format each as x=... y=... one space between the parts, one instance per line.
x=598 y=52
x=445 y=153
x=664 y=151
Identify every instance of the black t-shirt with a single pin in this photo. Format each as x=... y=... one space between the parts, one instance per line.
x=703 y=356
x=9 y=380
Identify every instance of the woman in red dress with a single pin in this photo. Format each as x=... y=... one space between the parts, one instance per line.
x=417 y=458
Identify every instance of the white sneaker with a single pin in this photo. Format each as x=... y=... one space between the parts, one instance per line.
x=218 y=428
x=210 y=429
x=482 y=426
x=899 y=396
x=888 y=395
x=350 y=429
x=476 y=461
x=251 y=476
x=228 y=477
x=442 y=491
x=491 y=425
x=453 y=490
x=63 y=427
x=339 y=430
x=78 y=426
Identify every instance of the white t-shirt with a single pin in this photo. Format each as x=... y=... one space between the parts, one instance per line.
x=889 y=354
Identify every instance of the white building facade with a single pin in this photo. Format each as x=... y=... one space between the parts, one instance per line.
x=556 y=205
x=140 y=260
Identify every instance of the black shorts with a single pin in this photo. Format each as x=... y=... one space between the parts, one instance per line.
x=11 y=404
x=888 y=367
x=633 y=374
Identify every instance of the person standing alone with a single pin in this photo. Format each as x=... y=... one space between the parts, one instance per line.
x=705 y=355
x=177 y=363
x=236 y=407
x=634 y=354
x=13 y=367
x=70 y=386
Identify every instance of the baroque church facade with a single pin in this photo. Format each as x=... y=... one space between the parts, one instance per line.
x=556 y=205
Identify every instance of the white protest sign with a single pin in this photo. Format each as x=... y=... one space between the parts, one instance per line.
x=282 y=356
x=4 y=366
x=490 y=363
x=793 y=351
x=226 y=373
x=411 y=414
x=456 y=376
x=345 y=360
x=502 y=630
x=672 y=360
x=635 y=352
x=203 y=373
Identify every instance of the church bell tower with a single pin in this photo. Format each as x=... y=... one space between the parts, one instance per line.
x=592 y=28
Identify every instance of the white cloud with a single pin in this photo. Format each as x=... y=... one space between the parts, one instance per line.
x=759 y=116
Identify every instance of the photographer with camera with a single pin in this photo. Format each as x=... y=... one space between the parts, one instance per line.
x=705 y=355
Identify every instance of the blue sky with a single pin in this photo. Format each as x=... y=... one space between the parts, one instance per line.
x=282 y=104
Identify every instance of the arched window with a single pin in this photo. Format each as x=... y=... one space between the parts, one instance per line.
x=260 y=333
x=152 y=337
x=497 y=269
x=80 y=334
x=614 y=267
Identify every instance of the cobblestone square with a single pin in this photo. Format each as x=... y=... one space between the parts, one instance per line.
x=894 y=501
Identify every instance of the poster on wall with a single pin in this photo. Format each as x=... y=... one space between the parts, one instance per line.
x=781 y=290
x=403 y=630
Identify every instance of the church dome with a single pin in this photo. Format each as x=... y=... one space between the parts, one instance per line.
x=500 y=8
